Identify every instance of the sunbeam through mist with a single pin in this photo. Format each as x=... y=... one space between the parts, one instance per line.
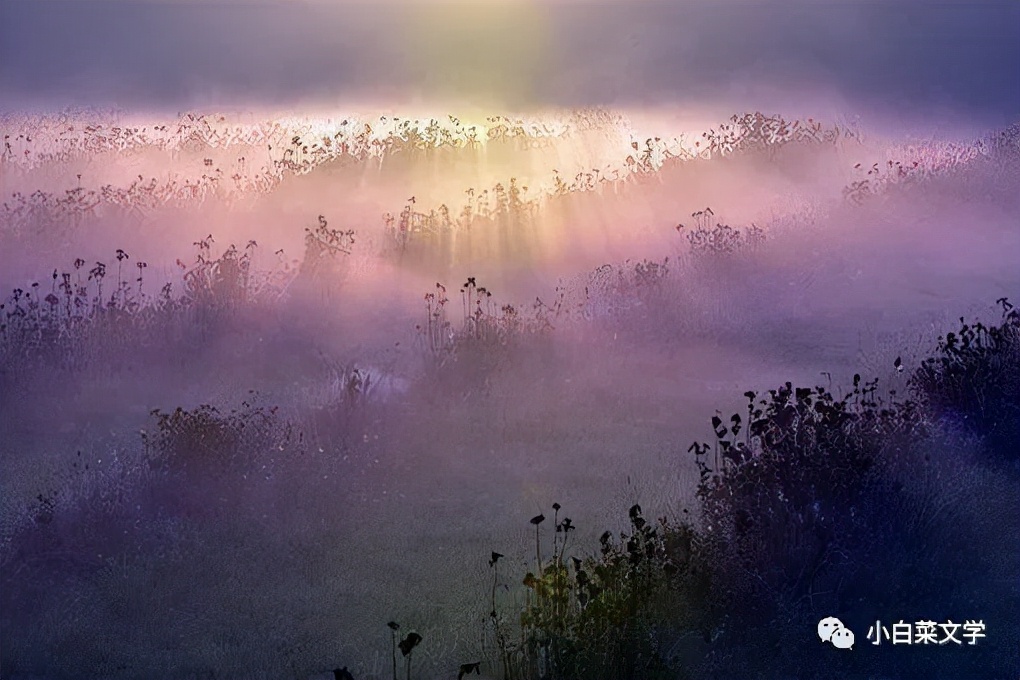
x=352 y=364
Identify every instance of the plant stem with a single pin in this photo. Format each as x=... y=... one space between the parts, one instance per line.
x=393 y=637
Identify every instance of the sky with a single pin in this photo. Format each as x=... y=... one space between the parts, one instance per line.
x=905 y=60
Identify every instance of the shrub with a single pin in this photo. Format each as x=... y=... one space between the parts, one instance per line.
x=204 y=442
x=721 y=239
x=815 y=505
x=323 y=245
x=618 y=614
x=798 y=496
x=488 y=335
x=81 y=320
x=973 y=382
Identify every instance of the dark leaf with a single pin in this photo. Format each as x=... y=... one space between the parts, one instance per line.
x=468 y=668
x=409 y=643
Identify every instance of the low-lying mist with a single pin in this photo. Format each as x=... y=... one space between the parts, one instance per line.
x=312 y=432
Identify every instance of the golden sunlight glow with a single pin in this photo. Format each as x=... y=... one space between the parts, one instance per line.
x=487 y=53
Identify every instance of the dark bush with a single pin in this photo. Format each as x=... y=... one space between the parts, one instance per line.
x=973 y=382
x=620 y=614
x=866 y=508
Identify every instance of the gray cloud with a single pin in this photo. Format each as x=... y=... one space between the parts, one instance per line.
x=911 y=58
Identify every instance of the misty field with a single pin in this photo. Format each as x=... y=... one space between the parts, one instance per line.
x=560 y=396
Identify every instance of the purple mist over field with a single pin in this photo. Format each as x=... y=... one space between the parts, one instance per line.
x=389 y=460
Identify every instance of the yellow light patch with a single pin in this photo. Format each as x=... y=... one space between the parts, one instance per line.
x=479 y=54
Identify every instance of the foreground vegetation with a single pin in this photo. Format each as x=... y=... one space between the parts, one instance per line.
x=811 y=503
